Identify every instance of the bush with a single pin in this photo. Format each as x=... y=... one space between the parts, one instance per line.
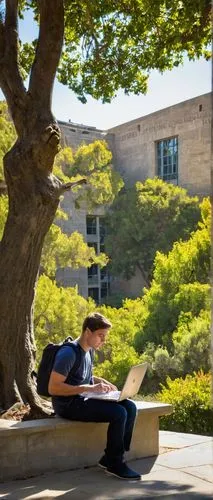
x=192 y=343
x=191 y=402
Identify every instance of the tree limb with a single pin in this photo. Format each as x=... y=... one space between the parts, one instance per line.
x=144 y=275
x=10 y=77
x=48 y=52
x=70 y=185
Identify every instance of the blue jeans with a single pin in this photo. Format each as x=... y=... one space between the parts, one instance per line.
x=121 y=417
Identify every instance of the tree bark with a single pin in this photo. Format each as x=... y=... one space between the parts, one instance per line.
x=33 y=194
x=33 y=200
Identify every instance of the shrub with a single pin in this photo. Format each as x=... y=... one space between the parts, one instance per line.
x=192 y=343
x=191 y=402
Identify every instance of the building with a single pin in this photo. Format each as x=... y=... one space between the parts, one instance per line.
x=173 y=144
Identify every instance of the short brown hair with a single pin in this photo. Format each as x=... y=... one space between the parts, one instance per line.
x=94 y=321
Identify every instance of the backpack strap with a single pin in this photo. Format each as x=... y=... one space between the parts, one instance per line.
x=77 y=361
x=77 y=356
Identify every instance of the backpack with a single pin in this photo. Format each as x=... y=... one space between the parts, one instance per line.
x=47 y=362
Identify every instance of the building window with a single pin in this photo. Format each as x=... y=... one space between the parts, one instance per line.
x=94 y=293
x=93 y=275
x=104 y=273
x=167 y=159
x=91 y=225
x=104 y=290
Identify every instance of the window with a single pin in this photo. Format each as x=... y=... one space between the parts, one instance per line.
x=104 y=272
x=91 y=225
x=104 y=290
x=93 y=271
x=94 y=293
x=167 y=159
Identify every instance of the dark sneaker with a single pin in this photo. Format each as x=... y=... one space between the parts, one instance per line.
x=123 y=472
x=103 y=462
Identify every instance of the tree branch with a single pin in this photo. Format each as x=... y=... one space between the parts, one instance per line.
x=144 y=275
x=70 y=185
x=10 y=78
x=48 y=52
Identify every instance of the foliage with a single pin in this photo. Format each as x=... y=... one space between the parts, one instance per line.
x=94 y=161
x=191 y=402
x=189 y=352
x=191 y=343
x=61 y=250
x=180 y=284
x=58 y=313
x=3 y=213
x=158 y=214
x=111 y=45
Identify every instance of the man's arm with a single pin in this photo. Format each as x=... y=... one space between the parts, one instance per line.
x=58 y=387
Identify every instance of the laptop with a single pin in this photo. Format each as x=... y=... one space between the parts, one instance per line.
x=131 y=387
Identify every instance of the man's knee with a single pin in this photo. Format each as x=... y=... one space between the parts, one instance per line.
x=130 y=407
x=119 y=413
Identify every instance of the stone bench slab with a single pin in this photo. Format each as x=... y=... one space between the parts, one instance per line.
x=39 y=446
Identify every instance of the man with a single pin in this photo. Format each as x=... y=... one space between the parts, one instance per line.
x=66 y=389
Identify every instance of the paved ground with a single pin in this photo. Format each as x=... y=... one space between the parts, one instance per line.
x=183 y=470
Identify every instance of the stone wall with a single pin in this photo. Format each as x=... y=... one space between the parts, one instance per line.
x=74 y=134
x=134 y=143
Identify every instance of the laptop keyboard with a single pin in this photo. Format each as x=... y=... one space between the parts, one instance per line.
x=112 y=394
x=104 y=395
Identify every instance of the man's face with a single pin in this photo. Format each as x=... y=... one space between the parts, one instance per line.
x=97 y=338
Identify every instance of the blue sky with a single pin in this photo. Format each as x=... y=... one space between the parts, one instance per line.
x=190 y=80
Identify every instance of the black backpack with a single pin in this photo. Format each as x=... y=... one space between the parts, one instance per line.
x=47 y=362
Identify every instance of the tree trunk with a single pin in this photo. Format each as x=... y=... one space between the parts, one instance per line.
x=33 y=199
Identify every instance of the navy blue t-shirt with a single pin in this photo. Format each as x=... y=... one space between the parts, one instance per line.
x=64 y=362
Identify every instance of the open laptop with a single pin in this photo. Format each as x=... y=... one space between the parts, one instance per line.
x=131 y=387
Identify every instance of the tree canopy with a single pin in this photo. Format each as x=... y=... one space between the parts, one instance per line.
x=180 y=285
x=115 y=44
x=150 y=216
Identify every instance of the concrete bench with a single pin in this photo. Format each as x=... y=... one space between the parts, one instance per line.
x=38 y=446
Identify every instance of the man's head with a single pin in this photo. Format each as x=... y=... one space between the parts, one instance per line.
x=95 y=329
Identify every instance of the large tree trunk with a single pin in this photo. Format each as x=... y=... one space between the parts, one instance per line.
x=33 y=191
x=33 y=200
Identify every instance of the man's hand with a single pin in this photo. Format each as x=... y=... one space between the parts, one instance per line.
x=99 y=380
x=101 y=387
x=112 y=387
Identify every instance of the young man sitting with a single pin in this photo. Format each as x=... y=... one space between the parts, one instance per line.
x=67 y=387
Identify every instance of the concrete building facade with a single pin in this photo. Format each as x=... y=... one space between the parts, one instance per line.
x=173 y=144
x=135 y=145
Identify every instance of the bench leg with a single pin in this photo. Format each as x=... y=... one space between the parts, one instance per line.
x=145 y=441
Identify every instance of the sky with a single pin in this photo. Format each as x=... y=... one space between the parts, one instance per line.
x=182 y=83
